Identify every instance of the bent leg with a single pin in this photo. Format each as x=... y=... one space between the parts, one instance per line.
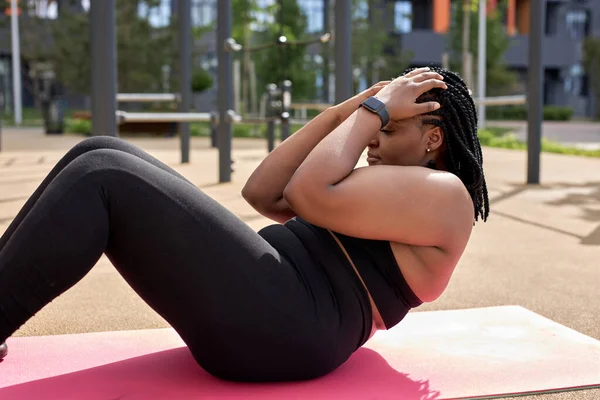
x=244 y=311
x=94 y=143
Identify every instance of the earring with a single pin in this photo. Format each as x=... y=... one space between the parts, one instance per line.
x=428 y=149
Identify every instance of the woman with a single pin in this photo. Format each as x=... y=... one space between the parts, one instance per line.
x=356 y=249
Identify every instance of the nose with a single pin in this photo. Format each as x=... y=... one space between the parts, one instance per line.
x=374 y=143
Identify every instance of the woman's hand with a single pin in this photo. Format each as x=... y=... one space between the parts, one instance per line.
x=400 y=95
x=346 y=108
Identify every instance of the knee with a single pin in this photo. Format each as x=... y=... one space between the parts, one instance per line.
x=96 y=143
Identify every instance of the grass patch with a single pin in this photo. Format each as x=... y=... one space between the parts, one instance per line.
x=492 y=138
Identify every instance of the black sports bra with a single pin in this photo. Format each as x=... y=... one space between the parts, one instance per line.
x=379 y=270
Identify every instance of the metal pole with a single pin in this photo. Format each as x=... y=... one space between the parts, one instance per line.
x=16 y=62
x=343 y=47
x=1 y=113
x=214 y=126
x=184 y=21
x=466 y=59
x=271 y=88
x=482 y=51
x=225 y=85
x=535 y=91
x=326 y=50
x=286 y=101
x=104 y=68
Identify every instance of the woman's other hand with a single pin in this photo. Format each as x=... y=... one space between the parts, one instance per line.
x=346 y=108
x=400 y=95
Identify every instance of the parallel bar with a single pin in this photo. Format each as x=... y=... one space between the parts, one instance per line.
x=535 y=91
x=162 y=117
x=343 y=50
x=501 y=100
x=482 y=57
x=493 y=101
x=16 y=63
x=184 y=21
x=104 y=67
x=148 y=97
x=225 y=89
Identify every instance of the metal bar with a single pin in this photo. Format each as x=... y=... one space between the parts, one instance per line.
x=104 y=67
x=225 y=88
x=16 y=63
x=269 y=112
x=326 y=49
x=343 y=50
x=148 y=97
x=482 y=57
x=285 y=112
x=502 y=100
x=535 y=91
x=184 y=21
x=495 y=101
x=162 y=117
x=214 y=126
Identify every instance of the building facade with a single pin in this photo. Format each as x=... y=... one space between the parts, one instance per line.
x=421 y=27
x=567 y=24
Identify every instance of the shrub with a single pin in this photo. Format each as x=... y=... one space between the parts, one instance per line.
x=78 y=126
x=519 y=113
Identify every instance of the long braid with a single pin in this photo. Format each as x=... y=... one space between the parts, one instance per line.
x=457 y=117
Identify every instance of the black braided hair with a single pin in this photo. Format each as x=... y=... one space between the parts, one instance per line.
x=457 y=117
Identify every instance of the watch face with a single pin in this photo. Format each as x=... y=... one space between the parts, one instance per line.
x=373 y=104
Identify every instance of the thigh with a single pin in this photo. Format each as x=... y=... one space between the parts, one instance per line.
x=83 y=147
x=232 y=296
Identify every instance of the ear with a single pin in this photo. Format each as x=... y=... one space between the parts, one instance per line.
x=434 y=138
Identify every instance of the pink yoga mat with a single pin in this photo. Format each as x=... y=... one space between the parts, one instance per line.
x=473 y=353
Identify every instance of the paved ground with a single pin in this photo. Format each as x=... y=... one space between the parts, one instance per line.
x=540 y=248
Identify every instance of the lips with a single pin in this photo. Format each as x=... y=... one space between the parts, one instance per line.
x=372 y=158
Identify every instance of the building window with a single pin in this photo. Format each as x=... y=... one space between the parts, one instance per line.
x=403 y=16
x=204 y=12
x=578 y=24
x=361 y=10
x=313 y=9
x=159 y=15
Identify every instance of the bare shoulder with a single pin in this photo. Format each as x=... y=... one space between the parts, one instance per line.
x=412 y=205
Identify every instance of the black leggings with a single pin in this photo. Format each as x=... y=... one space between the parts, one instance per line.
x=247 y=311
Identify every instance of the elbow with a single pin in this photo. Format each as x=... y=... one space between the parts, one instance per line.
x=250 y=195
x=302 y=198
x=294 y=195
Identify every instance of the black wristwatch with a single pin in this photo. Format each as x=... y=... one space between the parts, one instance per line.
x=376 y=106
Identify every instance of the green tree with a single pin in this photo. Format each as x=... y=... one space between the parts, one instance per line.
x=142 y=49
x=591 y=51
x=281 y=62
x=499 y=79
x=374 y=50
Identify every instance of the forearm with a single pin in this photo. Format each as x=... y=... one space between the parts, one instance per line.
x=265 y=186
x=336 y=156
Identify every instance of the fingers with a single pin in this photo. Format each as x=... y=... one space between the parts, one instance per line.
x=427 y=75
x=416 y=72
x=382 y=83
x=424 y=108
x=429 y=84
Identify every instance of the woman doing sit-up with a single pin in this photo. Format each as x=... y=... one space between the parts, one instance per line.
x=354 y=250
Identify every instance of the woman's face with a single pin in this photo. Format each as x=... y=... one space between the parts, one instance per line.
x=403 y=143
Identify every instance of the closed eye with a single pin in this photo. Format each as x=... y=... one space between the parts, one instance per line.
x=387 y=131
